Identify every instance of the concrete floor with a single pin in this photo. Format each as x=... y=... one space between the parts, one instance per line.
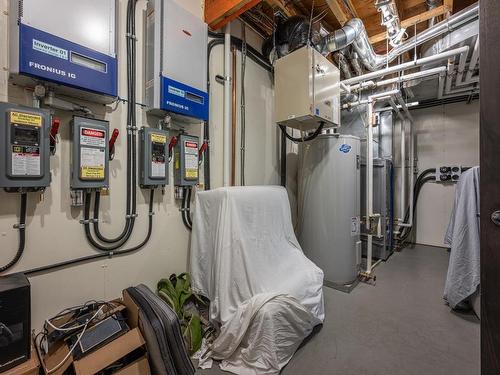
x=401 y=326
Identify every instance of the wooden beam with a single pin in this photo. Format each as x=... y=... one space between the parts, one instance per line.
x=340 y=11
x=449 y=5
x=220 y=12
x=425 y=16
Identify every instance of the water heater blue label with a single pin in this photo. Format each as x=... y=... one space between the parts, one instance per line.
x=345 y=148
x=55 y=59
x=183 y=99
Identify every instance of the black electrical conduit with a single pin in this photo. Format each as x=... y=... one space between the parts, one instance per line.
x=422 y=179
x=131 y=178
x=306 y=138
x=186 y=207
x=109 y=254
x=22 y=234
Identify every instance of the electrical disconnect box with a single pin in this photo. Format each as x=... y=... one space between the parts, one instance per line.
x=153 y=157
x=186 y=161
x=90 y=153
x=70 y=43
x=448 y=173
x=307 y=90
x=25 y=150
x=176 y=62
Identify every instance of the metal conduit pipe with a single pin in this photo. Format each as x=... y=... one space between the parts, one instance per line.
x=354 y=33
x=407 y=65
x=390 y=19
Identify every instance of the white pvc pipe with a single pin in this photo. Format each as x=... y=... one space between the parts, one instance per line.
x=369 y=172
x=405 y=66
x=400 y=79
x=227 y=107
x=412 y=165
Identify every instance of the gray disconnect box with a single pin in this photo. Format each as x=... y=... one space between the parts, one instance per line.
x=25 y=147
x=153 y=157
x=186 y=161
x=90 y=153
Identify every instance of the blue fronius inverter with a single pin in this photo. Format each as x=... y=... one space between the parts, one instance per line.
x=69 y=44
x=176 y=62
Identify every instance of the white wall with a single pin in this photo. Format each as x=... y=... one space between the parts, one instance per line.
x=53 y=230
x=445 y=135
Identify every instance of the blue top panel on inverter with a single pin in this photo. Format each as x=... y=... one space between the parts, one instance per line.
x=183 y=99
x=55 y=59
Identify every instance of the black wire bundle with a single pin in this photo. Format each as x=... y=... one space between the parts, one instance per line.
x=307 y=138
x=186 y=207
x=131 y=177
x=422 y=179
x=22 y=234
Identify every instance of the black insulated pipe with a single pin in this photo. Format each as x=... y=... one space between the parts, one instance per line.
x=306 y=138
x=22 y=234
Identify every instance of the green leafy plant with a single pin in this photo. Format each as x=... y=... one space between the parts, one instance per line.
x=177 y=292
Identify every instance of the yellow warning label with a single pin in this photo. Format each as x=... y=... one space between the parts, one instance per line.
x=177 y=160
x=191 y=174
x=92 y=173
x=158 y=138
x=23 y=118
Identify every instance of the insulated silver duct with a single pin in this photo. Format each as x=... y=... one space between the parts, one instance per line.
x=390 y=19
x=354 y=33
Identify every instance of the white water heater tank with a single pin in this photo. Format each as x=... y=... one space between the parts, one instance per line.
x=329 y=206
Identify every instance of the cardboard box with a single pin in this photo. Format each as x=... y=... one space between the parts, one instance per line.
x=139 y=367
x=105 y=355
x=30 y=367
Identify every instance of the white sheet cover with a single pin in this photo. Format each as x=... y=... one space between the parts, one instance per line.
x=243 y=246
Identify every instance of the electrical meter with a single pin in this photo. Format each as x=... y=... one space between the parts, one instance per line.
x=153 y=157
x=186 y=161
x=71 y=44
x=25 y=150
x=90 y=154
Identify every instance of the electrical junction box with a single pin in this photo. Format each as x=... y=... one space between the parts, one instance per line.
x=71 y=44
x=153 y=157
x=25 y=147
x=176 y=62
x=307 y=90
x=448 y=173
x=186 y=161
x=90 y=154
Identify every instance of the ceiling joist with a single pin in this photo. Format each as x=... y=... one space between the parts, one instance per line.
x=340 y=11
x=218 y=13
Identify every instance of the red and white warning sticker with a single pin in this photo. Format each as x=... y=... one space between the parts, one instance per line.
x=25 y=161
x=92 y=137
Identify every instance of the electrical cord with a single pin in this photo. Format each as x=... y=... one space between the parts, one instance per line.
x=306 y=138
x=22 y=234
x=131 y=175
x=89 y=258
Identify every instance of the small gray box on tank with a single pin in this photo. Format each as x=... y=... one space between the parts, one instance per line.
x=90 y=153
x=25 y=150
x=186 y=171
x=153 y=157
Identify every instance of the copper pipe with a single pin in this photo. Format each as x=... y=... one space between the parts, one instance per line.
x=233 y=122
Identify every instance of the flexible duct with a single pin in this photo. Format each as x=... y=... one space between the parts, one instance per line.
x=354 y=33
x=390 y=20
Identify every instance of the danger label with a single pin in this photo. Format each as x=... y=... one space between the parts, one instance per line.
x=190 y=160
x=23 y=118
x=92 y=163
x=25 y=161
x=92 y=137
